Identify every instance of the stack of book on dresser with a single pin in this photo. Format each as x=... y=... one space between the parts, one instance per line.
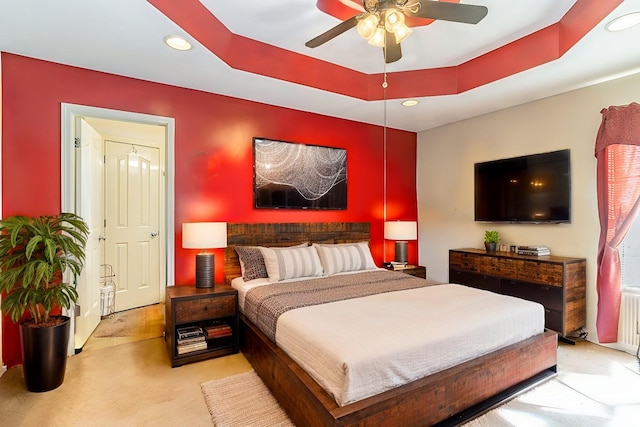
x=190 y=338
x=219 y=330
x=533 y=250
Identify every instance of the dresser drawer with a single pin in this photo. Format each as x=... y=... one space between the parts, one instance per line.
x=540 y=272
x=549 y=296
x=464 y=262
x=502 y=267
x=193 y=310
x=474 y=280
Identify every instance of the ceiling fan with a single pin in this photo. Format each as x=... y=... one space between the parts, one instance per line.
x=383 y=22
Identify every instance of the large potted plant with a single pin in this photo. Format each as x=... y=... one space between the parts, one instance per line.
x=36 y=253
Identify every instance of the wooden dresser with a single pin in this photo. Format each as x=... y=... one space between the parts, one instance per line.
x=558 y=283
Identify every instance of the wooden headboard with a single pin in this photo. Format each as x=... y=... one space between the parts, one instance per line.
x=287 y=234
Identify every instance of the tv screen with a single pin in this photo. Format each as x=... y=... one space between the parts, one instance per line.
x=528 y=189
x=299 y=176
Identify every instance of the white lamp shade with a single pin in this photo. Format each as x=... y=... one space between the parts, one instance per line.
x=204 y=235
x=401 y=230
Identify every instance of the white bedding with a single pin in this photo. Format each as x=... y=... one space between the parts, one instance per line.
x=360 y=347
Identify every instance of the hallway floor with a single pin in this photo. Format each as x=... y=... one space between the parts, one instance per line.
x=142 y=323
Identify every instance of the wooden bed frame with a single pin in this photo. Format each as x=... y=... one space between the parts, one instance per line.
x=448 y=397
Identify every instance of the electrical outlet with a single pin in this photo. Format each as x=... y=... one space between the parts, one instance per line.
x=78 y=311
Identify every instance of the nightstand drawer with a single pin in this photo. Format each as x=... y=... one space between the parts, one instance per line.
x=193 y=310
x=420 y=272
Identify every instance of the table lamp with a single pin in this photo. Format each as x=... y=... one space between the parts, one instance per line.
x=401 y=231
x=204 y=235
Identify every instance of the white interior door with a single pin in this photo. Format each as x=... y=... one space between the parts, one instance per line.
x=89 y=185
x=132 y=213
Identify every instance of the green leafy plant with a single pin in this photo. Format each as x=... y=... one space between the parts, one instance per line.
x=34 y=254
x=491 y=236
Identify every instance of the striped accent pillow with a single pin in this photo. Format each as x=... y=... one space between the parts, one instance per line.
x=343 y=257
x=291 y=263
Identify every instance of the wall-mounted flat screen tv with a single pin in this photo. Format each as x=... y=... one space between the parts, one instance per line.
x=527 y=189
x=298 y=176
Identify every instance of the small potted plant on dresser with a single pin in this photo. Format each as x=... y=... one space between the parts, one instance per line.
x=35 y=252
x=491 y=238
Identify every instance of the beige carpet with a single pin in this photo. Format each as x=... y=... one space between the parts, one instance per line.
x=568 y=400
x=243 y=400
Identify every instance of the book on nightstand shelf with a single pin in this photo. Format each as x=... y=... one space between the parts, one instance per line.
x=189 y=332
x=195 y=346
x=190 y=340
x=218 y=331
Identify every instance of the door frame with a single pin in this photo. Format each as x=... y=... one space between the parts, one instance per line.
x=69 y=113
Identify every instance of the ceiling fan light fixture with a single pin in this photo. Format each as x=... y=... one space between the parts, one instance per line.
x=393 y=19
x=402 y=33
x=367 y=25
x=378 y=37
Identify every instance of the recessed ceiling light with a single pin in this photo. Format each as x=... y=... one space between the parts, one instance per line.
x=410 y=102
x=177 y=42
x=624 y=22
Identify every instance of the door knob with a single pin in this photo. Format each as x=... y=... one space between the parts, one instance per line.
x=101 y=238
x=154 y=234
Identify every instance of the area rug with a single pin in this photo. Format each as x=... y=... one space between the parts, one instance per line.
x=117 y=325
x=243 y=400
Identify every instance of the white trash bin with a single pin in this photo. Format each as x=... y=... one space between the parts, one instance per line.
x=107 y=300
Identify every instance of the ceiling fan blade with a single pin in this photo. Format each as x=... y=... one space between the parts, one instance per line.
x=333 y=32
x=393 y=50
x=456 y=12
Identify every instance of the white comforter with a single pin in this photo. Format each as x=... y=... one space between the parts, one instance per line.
x=361 y=347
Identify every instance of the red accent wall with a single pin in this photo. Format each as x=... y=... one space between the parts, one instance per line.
x=213 y=155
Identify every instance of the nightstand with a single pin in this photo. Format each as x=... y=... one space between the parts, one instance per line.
x=413 y=270
x=213 y=310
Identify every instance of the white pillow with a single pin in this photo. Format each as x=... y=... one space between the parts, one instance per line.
x=290 y=263
x=344 y=257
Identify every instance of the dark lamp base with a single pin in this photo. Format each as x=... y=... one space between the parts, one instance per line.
x=402 y=251
x=205 y=270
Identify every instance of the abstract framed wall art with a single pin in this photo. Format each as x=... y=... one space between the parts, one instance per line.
x=289 y=175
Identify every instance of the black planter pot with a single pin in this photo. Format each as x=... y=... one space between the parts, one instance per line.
x=490 y=247
x=44 y=355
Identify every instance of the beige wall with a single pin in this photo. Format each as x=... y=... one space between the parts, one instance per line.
x=446 y=156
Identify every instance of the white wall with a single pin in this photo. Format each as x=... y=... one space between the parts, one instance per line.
x=446 y=156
